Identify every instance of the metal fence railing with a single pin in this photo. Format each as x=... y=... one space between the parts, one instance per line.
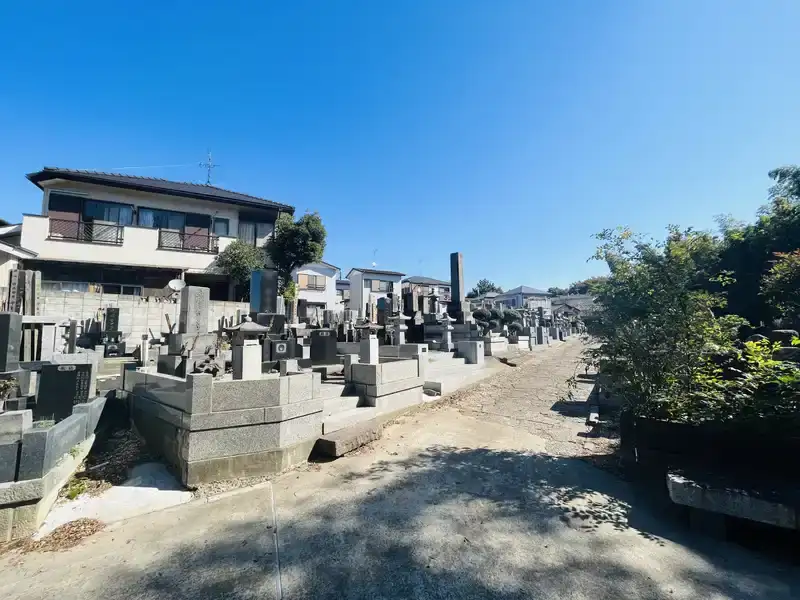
x=81 y=231
x=188 y=242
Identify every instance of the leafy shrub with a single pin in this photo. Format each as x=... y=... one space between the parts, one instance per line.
x=515 y=327
x=482 y=318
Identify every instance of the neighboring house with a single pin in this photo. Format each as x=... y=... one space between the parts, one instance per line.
x=316 y=286
x=426 y=287
x=581 y=305
x=367 y=286
x=11 y=255
x=487 y=300
x=343 y=294
x=130 y=235
x=524 y=297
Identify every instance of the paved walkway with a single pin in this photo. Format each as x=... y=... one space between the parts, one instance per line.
x=484 y=496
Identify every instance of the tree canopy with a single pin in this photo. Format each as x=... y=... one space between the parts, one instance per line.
x=482 y=287
x=294 y=244
x=239 y=260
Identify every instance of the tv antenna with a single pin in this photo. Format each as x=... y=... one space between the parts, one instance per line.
x=208 y=166
x=374 y=252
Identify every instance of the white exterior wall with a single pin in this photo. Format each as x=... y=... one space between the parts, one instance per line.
x=139 y=248
x=136 y=315
x=326 y=297
x=357 y=300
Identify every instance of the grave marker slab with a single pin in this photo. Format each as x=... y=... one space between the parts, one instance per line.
x=323 y=347
x=193 y=317
x=60 y=388
x=10 y=338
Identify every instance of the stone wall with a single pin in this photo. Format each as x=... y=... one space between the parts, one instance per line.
x=36 y=462
x=210 y=430
x=136 y=315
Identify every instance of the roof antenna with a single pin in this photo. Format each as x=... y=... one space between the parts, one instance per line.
x=208 y=165
x=374 y=252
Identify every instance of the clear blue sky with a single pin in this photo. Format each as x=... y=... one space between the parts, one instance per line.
x=508 y=130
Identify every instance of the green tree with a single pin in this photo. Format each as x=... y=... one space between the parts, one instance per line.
x=482 y=287
x=239 y=260
x=557 y=291
x=587 y=286
x=655 y=326
x=294 y=244
x=781 y=285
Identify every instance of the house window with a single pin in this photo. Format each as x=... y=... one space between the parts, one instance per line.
x=161 y=219
x=512 y=302
x=65 y=286
x=94 y=210
x=254 y=233
x=221 y=227
x=65 y=203
x=311 y=282
x=380 y=286
x=124 y=290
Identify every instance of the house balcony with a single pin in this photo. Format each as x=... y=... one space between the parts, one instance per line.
x=109 y=243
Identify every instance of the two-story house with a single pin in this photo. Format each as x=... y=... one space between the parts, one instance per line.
x=524 y=297
x=368 y=286
x=316 y=287
x=342 y=294
x=124 y=234
x=424 y=289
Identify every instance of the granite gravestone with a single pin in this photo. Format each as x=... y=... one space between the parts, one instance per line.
x=60 y=388
x=193 y=318
x=280 y=349
x=264 y=291
x=275 y=322
x=458 y=308
x=112 y=319
x=10 y=336
x=323 y=347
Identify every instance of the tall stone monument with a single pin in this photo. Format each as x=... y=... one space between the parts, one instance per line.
x=458 y=308
x=264 y=291
x=193 y=318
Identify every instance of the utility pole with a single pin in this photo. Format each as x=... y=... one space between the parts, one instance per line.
x=208 y=166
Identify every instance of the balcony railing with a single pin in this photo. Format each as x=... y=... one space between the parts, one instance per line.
x=91 y=232
x=188 y=242
x=313 y=287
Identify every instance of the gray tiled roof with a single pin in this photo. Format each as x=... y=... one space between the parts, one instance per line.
x=373 y=272
x=157 y=186
x=419 y=279
x=524 y=289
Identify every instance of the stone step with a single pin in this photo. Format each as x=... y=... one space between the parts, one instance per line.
x=333 y=406
x=447 y=383
x=349 y=417
x=347 y=439
x=332 y=389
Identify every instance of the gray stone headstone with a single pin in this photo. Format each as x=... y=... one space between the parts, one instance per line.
x=60 y=388
x=10 y=338
x=457 y=292
x=15 y=285
x=193 y=317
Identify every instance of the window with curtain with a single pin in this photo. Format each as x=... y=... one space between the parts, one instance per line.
x=247 y=232
x=221 y=227
x=161 y=219
x=96 y=210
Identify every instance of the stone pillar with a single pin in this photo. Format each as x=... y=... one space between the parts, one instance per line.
x=247 y=360
x=368 y=350
x=193 y=316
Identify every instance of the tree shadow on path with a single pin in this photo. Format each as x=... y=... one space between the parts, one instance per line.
x=460 y=523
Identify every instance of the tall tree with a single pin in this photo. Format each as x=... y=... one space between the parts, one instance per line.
x=587 y=285
x=238 y=261
x=557 y=291
x=294 y=244
x=482 y=287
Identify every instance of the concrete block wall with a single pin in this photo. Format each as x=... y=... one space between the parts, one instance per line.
x=393 y=384
x=136 y=315
x=210 y=430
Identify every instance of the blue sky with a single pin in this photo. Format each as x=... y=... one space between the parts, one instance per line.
x=508 y=130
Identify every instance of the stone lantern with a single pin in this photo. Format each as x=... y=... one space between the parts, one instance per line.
x=246 y=349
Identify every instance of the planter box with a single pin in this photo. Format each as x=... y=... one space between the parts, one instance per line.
x=766 y=447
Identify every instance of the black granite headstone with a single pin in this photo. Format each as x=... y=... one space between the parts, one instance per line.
x=112 y=319
x=264 y=291
x=274 y=321
x=10 y=338
x=281 y=349
x=323 y=347
x=60 y=388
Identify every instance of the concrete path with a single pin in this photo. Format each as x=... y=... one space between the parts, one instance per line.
x=485 y=496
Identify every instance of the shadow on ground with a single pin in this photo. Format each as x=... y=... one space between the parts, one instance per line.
x=458 y=523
